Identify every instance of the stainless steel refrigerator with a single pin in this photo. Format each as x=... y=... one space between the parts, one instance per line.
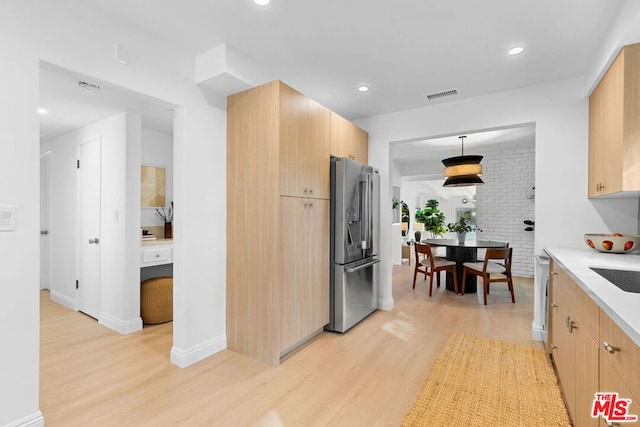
x=354 y=242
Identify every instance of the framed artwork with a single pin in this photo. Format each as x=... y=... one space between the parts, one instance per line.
x=152 y=187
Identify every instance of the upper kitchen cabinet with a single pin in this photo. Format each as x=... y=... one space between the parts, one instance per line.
x=614 y=128
x=348 y=140
x=304 y=127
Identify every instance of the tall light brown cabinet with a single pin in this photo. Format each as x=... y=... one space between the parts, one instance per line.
x=279 y=144
x=614 y=128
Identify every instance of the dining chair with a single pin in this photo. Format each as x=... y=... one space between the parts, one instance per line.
x=430 y=266
x=506 y=245
x=497 y=261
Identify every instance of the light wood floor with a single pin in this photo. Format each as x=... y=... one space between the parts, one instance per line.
x=370 y=376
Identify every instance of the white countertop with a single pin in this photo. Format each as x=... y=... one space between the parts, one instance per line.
x=623 y=307
x=156 y=242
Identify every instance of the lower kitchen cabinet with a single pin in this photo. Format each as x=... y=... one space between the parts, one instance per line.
x=305 y=269
x=610 y=381
x=563 y=340
x=590 y=352
x=586 y=376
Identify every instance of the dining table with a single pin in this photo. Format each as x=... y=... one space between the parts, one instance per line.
x=462 y=252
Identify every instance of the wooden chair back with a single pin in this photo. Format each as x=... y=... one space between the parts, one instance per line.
x=503 y=255
x=425 y=250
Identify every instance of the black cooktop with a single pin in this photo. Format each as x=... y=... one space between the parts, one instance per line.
x=627 y=280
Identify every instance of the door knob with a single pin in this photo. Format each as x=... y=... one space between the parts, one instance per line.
x=94 y=241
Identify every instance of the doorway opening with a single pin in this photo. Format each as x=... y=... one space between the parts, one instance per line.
x=500 y=206
x=133 y=129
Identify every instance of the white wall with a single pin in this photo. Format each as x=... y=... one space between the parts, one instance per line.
x=503 y=204
x=72 y=35
x=119 y=222
x=560 y=113
x=157 y=150
x=20 y=249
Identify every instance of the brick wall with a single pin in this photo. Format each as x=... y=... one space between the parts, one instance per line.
x=504 y=202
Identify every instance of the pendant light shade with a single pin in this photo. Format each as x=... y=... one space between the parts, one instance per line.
x=462 y=171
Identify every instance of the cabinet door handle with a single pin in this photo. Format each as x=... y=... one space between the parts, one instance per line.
x=571 y=325
x=554 y=305
x=611 y=349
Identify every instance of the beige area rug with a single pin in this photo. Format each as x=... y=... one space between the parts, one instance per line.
x=486 y=382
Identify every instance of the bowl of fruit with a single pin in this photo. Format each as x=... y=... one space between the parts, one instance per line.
x=614 y=242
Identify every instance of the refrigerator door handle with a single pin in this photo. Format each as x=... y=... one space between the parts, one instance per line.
x=370 y=212
x=365 y=213
x=361 y=267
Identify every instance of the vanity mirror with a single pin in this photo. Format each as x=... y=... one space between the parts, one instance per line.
x=152 y=187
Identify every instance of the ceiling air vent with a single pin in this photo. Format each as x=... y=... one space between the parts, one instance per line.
x=88 y=86
x=442 y=94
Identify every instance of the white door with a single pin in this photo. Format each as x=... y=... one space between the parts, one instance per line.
x=45 y=221
x=89 y=206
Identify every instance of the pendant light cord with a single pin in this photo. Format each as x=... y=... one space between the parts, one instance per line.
x=462 y=142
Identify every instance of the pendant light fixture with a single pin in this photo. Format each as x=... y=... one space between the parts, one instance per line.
x=462 y=170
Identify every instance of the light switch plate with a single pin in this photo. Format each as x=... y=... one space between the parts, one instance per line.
x=7 y=218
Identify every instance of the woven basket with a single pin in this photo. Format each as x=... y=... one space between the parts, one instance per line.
x=156 y=300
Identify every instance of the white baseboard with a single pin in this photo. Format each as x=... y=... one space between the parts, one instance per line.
x=183 y=358
x=64 y=300
x=120 y=326
x=385 y=304
x=33 y=420
x=538 y=334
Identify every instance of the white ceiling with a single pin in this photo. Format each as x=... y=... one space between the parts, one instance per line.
x=70 y=107
x=403 y=50
x=421 y=159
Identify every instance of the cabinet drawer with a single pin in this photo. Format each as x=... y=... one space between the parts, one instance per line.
x=157 y=256
x=625 y=359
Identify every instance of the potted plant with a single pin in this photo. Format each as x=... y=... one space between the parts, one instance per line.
x=432 y=218
x=166 y=216
x=461 y=228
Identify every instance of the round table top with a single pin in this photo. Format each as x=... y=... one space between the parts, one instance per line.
x=465 y=244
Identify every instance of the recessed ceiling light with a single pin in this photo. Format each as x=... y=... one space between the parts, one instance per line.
x=516 y=50
x=42 y=111
x=363 y=88
x=262 y=2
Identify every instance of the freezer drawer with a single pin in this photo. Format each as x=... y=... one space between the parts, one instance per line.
x=352 y=293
